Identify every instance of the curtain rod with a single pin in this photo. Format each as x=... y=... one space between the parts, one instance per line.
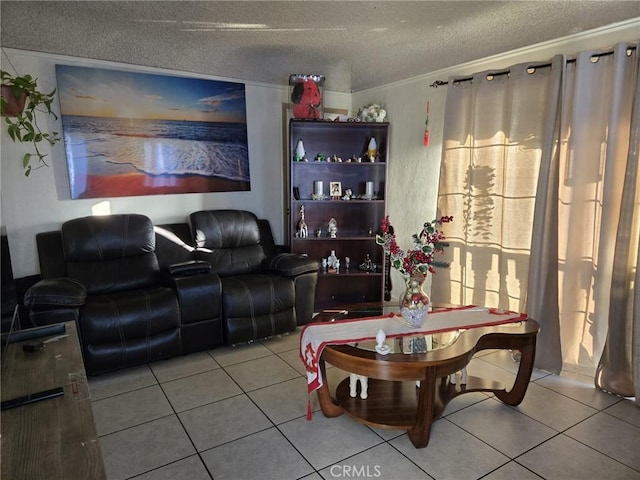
x=439 y=83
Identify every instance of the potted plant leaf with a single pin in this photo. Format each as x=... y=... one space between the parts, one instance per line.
x=19 y=101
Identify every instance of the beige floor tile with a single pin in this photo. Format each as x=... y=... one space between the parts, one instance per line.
x=627 y=410
x=292 y=357
x=609 y=435
x=464 y=401
x=285 y=401
x=190 y=468
x=382 y=462
x=511 y=471
x=580 y=388
x=223 y=421
x=200 y=389
x=226 y=356
x=325 y=441
x=553 y=409
x=184 y=366
x=121 y=381
x=261 y=372
x=451 y=453
x=502 y=427
x=145 y=447
x=283 y=343
x=264 y=455
x=128 y=409
x=564 y=458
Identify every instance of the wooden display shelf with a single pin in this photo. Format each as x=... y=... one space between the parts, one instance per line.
x=355 y=218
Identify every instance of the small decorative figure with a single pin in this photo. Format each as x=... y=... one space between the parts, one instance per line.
x=320 y=157
x=353 y=383
x=324 y=265
x=381 y=347
x=348 y=193
x=372 y=149
x=303 y=231
x=368 y=265
x=347 y=262
x=463 y=379
x=332 y=228
x=318 y=233
x=300 y=152
x=332 y=260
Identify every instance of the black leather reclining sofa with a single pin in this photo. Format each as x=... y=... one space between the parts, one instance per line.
x=141 y=293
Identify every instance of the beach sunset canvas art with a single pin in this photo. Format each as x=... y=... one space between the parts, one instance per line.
x=130 y=133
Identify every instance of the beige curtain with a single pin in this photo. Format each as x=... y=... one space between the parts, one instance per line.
x=573 y=188
x=494 y=132
x=616 y=317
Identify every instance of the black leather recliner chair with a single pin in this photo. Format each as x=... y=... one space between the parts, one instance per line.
x=103 y=272
x=264 y=292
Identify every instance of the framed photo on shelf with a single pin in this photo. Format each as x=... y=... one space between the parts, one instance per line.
x=336 y=189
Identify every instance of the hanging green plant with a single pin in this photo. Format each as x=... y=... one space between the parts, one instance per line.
x=19 y=101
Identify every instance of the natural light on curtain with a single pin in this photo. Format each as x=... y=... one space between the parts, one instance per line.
x=595 y=139
x=542 y=169
x=493 y=138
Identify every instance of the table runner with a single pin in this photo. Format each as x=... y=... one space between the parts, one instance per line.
x=315 y=336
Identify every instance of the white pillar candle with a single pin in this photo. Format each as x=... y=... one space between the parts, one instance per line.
x=369 y=190
x=318 y=187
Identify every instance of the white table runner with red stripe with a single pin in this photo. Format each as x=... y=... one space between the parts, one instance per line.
x=316 y=336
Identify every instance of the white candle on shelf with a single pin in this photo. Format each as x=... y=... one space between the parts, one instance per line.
x=300 y=153
x=318 y=187
x=369 y=189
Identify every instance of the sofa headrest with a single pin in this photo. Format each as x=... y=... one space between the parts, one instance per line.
x=97 y=238
x=215 y=229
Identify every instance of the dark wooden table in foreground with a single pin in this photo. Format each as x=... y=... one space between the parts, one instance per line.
x=53 y=438
x=394 y=402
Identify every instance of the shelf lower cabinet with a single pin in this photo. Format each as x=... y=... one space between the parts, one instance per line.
x=357 y=218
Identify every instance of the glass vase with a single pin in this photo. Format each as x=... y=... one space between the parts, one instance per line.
x=414 y=304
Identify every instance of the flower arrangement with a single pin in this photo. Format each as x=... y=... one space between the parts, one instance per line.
x=421 y=258
x=372 y=113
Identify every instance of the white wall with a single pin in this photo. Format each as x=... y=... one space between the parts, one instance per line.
x=413 y=170
x=42 y=201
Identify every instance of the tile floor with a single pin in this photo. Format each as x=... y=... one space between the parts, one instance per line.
x=240 y=413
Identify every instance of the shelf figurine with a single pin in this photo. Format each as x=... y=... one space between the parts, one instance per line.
x=303 y=231
x=372 y=149
x=300 y=152
x=353 y=385
x=332 y=228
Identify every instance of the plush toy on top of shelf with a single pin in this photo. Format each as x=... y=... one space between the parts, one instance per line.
x=307 y=99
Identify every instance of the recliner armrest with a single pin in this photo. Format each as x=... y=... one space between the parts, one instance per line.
x=56 y=292
x=290 y=264
x=192 y=267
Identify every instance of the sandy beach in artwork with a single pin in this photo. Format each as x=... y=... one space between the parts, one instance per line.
x=137 y=183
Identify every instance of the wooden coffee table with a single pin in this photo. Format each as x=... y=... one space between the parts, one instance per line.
x=394 y=401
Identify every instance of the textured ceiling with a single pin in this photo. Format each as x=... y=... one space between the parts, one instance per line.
x=356 y=45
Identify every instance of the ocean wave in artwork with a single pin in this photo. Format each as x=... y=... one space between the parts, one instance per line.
x=99 y=146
